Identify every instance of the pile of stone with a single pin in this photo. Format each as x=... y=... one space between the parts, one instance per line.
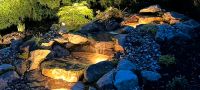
x=74 y=61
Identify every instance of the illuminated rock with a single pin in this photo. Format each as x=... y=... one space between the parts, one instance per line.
x=148 y=20
x=69 y=72
x=54 y=84
x=75 y=39
x=49 y=44
x=61 y=40
x=151 y=9
x=37 y=57
x=91 y=57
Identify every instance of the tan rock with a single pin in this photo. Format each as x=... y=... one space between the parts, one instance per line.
x=37 y=57
x=49 y=44
x=147 y=20
x=93 y=58
x=54 y=84
x=61 y=40
x=75 y=39
x=151 y=9
x=66 y=75
x=170 y=18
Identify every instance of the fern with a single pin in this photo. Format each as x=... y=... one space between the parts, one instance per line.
x=75 y=16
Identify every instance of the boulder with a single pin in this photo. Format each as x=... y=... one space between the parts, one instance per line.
x=35 y=75
x=37 y=57
x=67 y=71
x=54 y=84
x=59 y=52
x=61 y=40
x=126 y=65
x=7 y=39
x=6 y=67
x=173 y=16
x=75 y=39
x=106 y=82
x=21 y=66
x=151 y=9
x=78 y=86
x=48 y=44
x=148 y=20
x=96 y=71
x=91 y=58
x=121 y=39
x=92 y=27
x=181 y=31
x=150 y=75
x=165 y=32
x=112 y=25
x=126 y=80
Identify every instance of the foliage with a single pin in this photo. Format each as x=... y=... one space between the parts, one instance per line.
x=167 y=60
x=13 y=12
x=75 y=16
x=179 y=82
x=109 y=13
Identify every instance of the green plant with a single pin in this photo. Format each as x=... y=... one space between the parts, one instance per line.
x=13 y=12
x=178 y=82
x=109 y=13
x=167 y=60
x=75 y=16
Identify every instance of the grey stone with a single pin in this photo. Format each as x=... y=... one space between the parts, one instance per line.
x=150 y=75
x=60 y=52
x=165 y=32
x=126 y=80
x=106 y=82
x=121 y=39
x=126 y=65
x=78 y=86
x=96 y=71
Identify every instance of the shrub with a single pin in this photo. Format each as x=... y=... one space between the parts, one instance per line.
x=167 y=60
x=109 y=13
x=178 y=82
x=75 y=16
x=14 y=12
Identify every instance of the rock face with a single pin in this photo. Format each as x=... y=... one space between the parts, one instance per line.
x=70 y=72
x=126 y=80
x=106 y=82
x=37 y=57
x=150 y=75
x=151 y=9
x=95 y=71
